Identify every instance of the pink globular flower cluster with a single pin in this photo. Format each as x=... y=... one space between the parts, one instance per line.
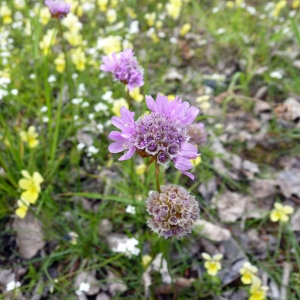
x=125 y=68
x=197 y=133
x=58 y=9
x=173 y=211
x=162 y=134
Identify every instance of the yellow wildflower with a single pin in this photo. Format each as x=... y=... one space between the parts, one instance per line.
x=278 y=7
x=173 y=8
x=31 y=185
x=30 y=137
x=159 y=24
x=281 y=212
x=78 y=58
x=212 y=264
x=117 y=106
x=21 y=211
x=248 y=272
x=185 y=29
x=140 y=169
x=72 y=22
x=196 y=161
x=102 y=4
x=114 y=3
x=5 y=14
x=60 y=62
x=47 y=41
x=73 y=37
x=45 y=15
x=295 y=4
x=136 y=95
x=146 y=259
x=130 y=12
x=111 y=16
x=150 y=18
x=230 y=4
x=154 y=37
x=110 y=44
x=257 y=291
x=171 y=97
x=73 y=237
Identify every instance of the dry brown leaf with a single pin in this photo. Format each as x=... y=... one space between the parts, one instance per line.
x=116 y=284
x=30 y=238
x=231 y=206
x=295 y=221
x=289 y=182
x=211 y=231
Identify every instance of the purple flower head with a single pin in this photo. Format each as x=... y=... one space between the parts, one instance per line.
x=161 y=134
x=197 y=133
x=58 y=9
x=173 y=211
x=125 y=68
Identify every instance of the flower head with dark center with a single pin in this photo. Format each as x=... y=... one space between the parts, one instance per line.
x=162 y=134
x=58 y=9
x=125 y=68
x=197 y=133
x=173 y=211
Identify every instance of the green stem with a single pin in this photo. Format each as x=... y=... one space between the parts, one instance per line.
x=279 y=236
x=157 y=170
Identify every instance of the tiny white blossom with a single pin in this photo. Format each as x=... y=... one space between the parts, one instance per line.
x=32 y=76
x=100 y=127
x=128 y=247
x=83 y=287
x=85 y=104
x=76 y=101
x=276 y=75
x=51 y=78
x=45 y=119
x=13 y=285
x=130 y=209
x=100 y=107
x=74 y=76
x=44 y=109
x=92 y=150
x=80 y=146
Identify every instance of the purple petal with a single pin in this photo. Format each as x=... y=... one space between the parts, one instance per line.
x=116 y=136
x=116 y=147
x=189 y=151
x=182 y=163
x=191 y=115
x=188 y=174
x=151 y=103
x=128 y=154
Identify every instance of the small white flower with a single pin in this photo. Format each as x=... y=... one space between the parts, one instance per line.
x=215 y=10
x=100 y=107
x=14 y=92
x=32 y=76
x=83 y=287
x=92 y=150
x=51 y=78
x=134 y=27
x=91 y=116
x=13 y=285
x=45 y=119
x=173 y=40
x=100 y=127
x=81 y=89
x=76 y=117
x=130 y=209
x=221 y=31
x=276 y=74
x=80 y=146
x=76 y=101
x=128 y=247
x=108 y=96
x=74 y=76
x=85 y=104
x=44 y=109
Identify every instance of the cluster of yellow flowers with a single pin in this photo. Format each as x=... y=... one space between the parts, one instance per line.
x=257 y=290
x=280 y=213
x=236 y=3
x=32 y=187
x=212 y=263
x=30 y=137
x=5 y=14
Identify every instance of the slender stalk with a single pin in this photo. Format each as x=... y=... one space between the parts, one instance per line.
x=279 y=236
x=157 y=170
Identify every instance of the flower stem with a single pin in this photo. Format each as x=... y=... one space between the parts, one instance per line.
x=157 y=170
x=279 y=235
